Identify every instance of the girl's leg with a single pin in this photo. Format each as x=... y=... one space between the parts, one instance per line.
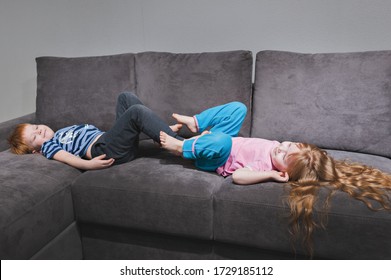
x=227 y=118
x=209 y=151
x=212 y=150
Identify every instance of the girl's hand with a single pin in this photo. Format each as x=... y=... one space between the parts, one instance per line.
x=99 y=162
x=279 y=176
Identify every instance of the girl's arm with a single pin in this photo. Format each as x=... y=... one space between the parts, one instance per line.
x=246 y=176
x=96 y=163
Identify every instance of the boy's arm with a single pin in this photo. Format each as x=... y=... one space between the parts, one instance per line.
x=246 y=176
x=96 y=163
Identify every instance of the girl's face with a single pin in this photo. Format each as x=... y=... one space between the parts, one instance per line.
x=37 y=134
x=280 y=155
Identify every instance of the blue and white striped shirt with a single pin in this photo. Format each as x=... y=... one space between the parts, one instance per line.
x=74 y=139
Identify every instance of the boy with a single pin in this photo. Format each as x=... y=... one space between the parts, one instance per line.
x=88 y=148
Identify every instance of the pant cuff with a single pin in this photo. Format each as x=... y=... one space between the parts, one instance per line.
x=188 y=149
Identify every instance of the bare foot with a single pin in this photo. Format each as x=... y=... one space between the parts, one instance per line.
x=176 y=127
x=171 y=144
x=186 y=120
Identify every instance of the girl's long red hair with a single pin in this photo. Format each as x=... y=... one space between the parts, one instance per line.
x=311 y=169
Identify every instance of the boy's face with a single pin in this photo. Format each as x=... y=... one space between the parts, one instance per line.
x=37 y=134
x=280 y=154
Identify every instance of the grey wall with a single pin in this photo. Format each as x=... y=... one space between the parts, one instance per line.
x=31 y=28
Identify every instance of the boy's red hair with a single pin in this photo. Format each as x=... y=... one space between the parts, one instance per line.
x=16 y=141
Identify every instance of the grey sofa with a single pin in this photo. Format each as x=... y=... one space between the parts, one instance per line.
x=159 y=206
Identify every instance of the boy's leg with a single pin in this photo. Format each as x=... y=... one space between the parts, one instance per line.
x=121 y=141
x=209 y=151
x=227 y=118
x=124 y=102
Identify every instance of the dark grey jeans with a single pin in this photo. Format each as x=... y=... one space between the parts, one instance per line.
x=132 y=118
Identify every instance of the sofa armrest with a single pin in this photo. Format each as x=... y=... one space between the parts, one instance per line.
x=7 y=127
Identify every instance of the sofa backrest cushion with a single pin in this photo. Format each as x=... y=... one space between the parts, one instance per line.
x=190 y=83
x=82 y=90
x=338 y=100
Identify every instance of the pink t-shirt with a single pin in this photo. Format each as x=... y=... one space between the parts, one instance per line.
x=253 y=153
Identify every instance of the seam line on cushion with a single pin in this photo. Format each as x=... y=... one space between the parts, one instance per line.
x=318 y=212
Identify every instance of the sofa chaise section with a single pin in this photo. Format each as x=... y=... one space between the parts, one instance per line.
x=37 y=209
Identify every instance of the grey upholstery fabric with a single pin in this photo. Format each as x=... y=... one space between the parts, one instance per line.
x=36 y=203
x=189 y=83
x=82 y=90
x=65 y=246
x=336 y=101
x=114 y=243
x=157 y=192
x=257 y=216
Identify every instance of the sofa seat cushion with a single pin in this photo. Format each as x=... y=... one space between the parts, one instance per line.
x=257 y=215
x=158 y=192
x=35 y=203
x=335 y=101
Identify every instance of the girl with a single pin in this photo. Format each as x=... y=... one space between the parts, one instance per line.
x=248 y=160
x=305 y=167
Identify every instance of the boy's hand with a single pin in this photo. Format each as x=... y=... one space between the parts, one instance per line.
x=85 y=164
x=99 y=162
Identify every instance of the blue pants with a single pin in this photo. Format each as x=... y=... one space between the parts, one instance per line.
x=212 y=150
